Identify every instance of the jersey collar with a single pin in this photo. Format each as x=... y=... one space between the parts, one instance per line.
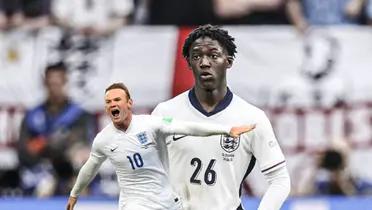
x=221 y=105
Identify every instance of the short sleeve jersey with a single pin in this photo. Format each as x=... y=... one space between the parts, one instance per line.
x=207 y=172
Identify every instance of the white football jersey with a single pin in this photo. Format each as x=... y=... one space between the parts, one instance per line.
x=207 y=172
x=140 y=158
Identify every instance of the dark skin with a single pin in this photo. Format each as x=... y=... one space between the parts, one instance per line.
x=209 y=62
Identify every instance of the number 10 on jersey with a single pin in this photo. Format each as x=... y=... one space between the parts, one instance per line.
x=135 y=161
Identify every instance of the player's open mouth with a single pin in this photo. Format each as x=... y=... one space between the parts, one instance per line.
x=115 y=112
x=206 y=75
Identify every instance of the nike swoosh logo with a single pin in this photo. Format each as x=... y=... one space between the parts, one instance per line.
x=176 y=138
x=113 y=149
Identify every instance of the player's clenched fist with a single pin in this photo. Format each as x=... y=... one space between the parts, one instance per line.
x=236 y=131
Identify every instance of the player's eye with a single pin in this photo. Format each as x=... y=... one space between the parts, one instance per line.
x=195 y=57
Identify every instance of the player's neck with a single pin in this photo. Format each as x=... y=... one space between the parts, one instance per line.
x=125 y=124
x=209 y=99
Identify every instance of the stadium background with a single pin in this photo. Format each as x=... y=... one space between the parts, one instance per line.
x=271 y=70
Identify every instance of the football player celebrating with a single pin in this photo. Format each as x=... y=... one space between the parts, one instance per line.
x=135 y=146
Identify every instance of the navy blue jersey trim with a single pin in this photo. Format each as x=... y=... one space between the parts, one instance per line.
x=249 y=169
x=225 y=102
x=263 y=171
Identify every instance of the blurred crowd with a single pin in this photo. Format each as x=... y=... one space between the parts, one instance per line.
x=100 y=18
x=55 y=136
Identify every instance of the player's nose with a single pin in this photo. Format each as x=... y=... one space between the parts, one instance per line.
x=204 y=62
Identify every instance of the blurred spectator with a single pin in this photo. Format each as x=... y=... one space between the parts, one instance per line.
x=10 y=14
x=30 y=14
x=140 y=11
x=198 y=12
x=332 y=178
x=181 y=12
x=92 y=17
x=354 y=8
x=331 y=175
x=36 y=13
x=369 y=11
x=54 y=139
x=305 y=13
x=254 y=12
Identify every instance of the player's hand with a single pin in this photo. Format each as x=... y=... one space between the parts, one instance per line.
x=71 y=203
x=237 y=130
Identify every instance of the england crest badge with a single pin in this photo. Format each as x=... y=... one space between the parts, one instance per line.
x=229 y=144
x=142 y=138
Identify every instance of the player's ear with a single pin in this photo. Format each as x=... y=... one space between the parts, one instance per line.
x=130 y=103
x=230 y=61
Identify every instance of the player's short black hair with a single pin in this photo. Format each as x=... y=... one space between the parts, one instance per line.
x=59 y=66
x=214 y=32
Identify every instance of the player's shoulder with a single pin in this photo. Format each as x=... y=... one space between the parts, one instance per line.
x=243 y=105
x=144 y=118
x=177 y=99
x=140 y=117
x=173 y=103
x=108 y=132
x=146 y=121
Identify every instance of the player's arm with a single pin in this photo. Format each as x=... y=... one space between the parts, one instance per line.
x=172 y=126
x=278 y=190
x=272 y=163
x=87 y=172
